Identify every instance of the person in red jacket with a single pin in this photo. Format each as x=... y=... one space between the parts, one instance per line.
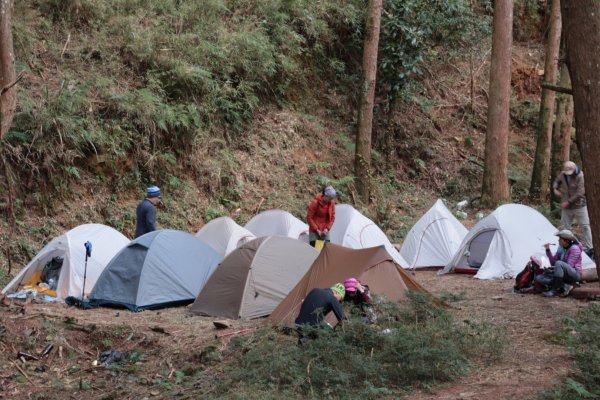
x=321 y=215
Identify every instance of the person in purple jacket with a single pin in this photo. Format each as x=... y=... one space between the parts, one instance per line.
x=566 y=263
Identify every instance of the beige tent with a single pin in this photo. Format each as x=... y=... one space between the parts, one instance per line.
x=253 y=279
x=373 y=266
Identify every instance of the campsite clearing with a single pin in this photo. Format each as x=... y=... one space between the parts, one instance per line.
x=173 y=341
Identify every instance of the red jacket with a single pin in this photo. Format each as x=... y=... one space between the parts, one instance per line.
x=317 y=217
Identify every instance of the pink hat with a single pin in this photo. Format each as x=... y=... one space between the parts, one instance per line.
x=350 y=284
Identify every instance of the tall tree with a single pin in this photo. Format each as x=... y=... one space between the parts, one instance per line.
x=362 y=158
x=561 y=135
x=540 y=176
x=495 y=174
x=8 y=100
x=581 y=19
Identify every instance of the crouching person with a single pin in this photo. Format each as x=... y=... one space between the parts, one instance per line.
x=317 y=304
x=566 y=263
x=360 y=296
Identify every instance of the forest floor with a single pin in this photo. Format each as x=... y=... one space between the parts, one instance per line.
x=175 y=343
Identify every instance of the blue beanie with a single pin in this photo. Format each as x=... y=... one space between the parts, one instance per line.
x=153 y=191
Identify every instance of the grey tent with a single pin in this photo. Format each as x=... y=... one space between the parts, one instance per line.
x=253 y=279
x=159 y=269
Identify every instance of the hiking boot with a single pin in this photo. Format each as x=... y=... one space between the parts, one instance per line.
x=566 y=290
x=551 y=293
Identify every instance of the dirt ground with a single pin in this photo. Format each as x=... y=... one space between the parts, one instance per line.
x=173 y=340
x=531 y=361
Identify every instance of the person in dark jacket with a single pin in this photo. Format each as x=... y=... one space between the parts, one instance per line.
x=145 y=213
x=360 y=296
x=570 y=187
x=566 y=262
x=317 y=304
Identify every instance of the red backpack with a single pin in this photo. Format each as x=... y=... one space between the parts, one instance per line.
x=525 y=281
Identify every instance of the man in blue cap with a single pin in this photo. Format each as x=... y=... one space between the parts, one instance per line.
x=145 y=212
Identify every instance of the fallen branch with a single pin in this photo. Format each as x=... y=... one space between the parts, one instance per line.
x=62 y=53
x=227 y=334
x=7 y=88
x=22 y=372
x=555 y=88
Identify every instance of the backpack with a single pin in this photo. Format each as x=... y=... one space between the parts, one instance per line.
x=51 y=272
x=526 y=282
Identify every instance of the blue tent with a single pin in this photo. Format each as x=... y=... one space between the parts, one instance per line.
x=159 y=269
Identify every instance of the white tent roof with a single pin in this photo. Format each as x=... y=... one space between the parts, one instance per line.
x=434 y=239
x=106 y=242
x=513 y=232
x=354 y=230
x=277 y=223
x=224 y=235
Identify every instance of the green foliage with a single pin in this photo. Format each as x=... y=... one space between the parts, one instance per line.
x=412 y=30
x=582 y=338
x=528 y=19
x=139 y=82
x=525 y=113
x=415 y=344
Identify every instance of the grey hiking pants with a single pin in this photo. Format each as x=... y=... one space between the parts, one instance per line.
x=568 y=215
x=564 y=273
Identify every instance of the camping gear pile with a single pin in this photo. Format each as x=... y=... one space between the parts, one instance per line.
x=267 y=267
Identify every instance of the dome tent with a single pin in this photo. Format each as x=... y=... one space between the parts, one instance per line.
x=106 y=242
x=499 y=245
x=354 y=230
x=159 y=269
x=434 y=239
x=373 y=266
x=253 y=279
x=278 y=222
x=224 y=235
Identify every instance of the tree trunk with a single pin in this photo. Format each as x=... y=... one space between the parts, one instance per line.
x=495 y=174
x=581 y=20
x=540 y=176
x=561 y=140
x=566 y=127
x=362 y=160
x=8 y=100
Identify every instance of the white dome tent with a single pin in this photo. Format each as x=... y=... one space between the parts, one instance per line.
x=224 y=235
x=354 y=230
x=434 y=239
x=500 y=245
x=278 y=223
x=106 y=242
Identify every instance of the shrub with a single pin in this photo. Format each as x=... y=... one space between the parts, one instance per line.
x=424 y=345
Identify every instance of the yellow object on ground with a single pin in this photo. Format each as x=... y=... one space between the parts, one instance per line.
x=319 y=244
x=34 y=279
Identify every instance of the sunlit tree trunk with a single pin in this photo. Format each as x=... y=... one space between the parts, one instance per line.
x=362 y=160
x=540 y=176
x=581 y=19
x=7 y=67
x=495 y=174
x=561 y=140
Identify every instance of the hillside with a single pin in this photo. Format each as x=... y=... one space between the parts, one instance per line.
x=233 y=109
